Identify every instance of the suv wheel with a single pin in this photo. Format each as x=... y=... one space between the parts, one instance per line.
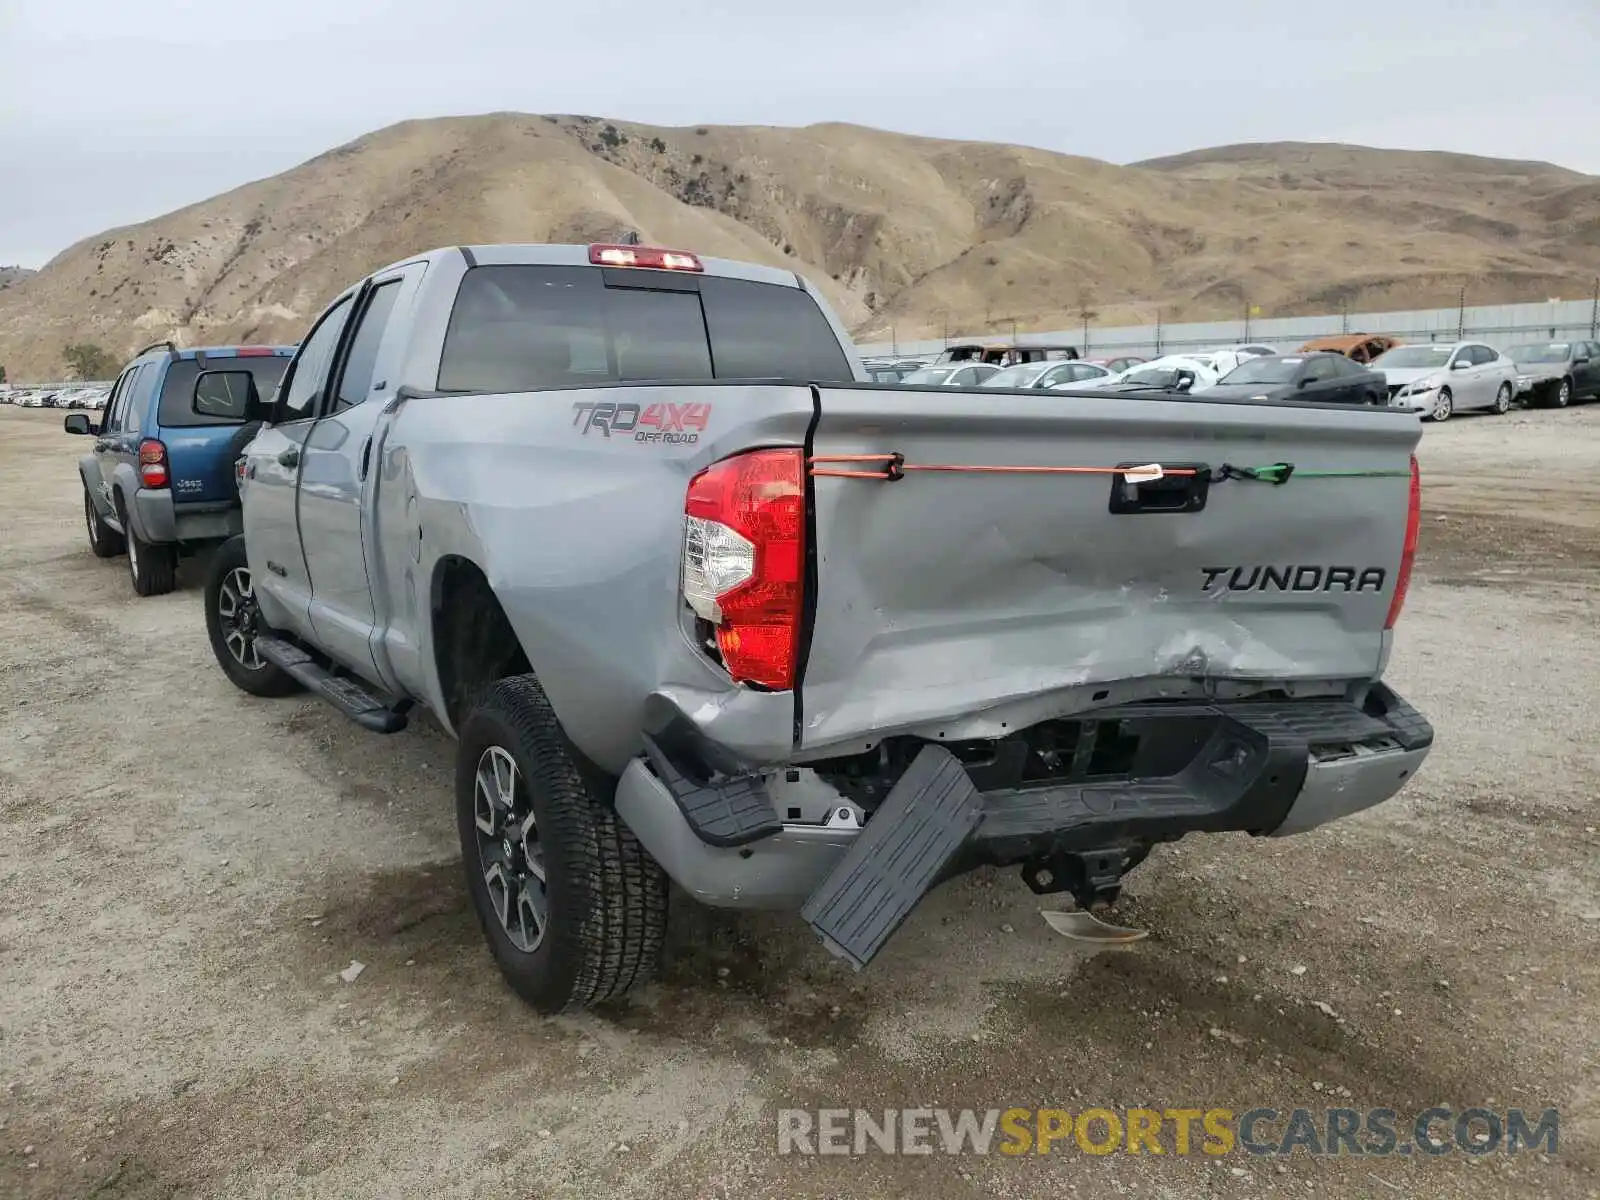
x=573 y=907
x=233 y=621
x=105 y=541
x=154 y=568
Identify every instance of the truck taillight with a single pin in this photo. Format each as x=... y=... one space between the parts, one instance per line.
x=153 y=464
x=653 y=257
x=744 y=545
x=1408 y=553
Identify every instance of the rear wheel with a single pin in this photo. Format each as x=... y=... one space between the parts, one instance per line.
x=573 y=907
x=1502 y=399
x=1443 y=406
x=154 y=569
x=233 y=621
x=105 y=541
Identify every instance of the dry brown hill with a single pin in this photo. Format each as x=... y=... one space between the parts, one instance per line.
x=914 y=234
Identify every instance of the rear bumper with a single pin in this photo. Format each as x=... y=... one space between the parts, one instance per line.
x=1264 y=768
x=159 y=521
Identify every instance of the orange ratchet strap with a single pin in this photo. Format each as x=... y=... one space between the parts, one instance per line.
x=894 y=466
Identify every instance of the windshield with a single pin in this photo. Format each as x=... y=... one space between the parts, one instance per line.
x=930 y=375
x=1152 y=377
x=1405 y=357
x=1543 y=352
x=1264 y=370
x=1020 y=376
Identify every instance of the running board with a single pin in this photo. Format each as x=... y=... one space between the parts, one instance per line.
x=346 y=695
x=921 y=825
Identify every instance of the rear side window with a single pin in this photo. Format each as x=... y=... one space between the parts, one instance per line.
x=520 y=328
x=177 y=391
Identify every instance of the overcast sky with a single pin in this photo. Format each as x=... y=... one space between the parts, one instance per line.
x=115 y=111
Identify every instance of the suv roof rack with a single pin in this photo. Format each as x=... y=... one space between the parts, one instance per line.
x=156 y=346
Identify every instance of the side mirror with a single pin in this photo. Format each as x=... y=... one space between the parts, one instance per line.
x=1581 y=362
x=228 y=396
x=1185 y=380
x=77 y=423
x=1460 y=364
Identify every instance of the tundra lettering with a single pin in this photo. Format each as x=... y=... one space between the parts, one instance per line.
x=724 y=665
x=1297 y=579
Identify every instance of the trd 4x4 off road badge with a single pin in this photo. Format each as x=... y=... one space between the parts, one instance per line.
x=672 y=424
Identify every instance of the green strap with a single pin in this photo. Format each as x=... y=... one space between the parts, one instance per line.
x=1273 y=473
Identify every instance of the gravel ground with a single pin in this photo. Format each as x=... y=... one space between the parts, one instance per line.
x=184 y=871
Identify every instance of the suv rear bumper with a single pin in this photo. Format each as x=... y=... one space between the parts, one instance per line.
x=1274 y=768
x=159 y=521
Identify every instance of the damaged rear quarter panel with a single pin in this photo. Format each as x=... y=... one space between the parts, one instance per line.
x=580 y=535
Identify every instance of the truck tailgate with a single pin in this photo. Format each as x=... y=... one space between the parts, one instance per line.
x=942 y=597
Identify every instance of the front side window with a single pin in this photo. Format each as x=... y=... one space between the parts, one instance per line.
x=297 y=400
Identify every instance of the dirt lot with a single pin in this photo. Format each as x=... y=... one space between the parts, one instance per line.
x=184 y=871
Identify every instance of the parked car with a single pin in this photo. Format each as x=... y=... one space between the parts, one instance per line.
x=1117 y=365
x=1170 y=373
x=1322 y=377
x=1251 y=349
x=1557 y=373
x=824 y=687
x=1359 y=347
x=1045 y=375
x=160 y=483
x=1005 y=355
x=954 y=374
x=1440 y=379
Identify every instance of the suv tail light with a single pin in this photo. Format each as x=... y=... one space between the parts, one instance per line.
x=153 y=464
x=654 y=257
x=1408 y=553
x=744 y=550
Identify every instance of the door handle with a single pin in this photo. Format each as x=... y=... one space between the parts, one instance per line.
x=289 y=457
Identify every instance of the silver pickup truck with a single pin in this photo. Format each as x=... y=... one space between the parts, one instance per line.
x=699 y=603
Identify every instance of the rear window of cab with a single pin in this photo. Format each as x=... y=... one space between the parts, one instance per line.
x=176 y=408
x=524 y=328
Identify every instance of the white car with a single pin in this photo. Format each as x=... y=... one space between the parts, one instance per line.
x=1441 y=379
x=957 y=374
x=1056 y=375
x=1167 y=374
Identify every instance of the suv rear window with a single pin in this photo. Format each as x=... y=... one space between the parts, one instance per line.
x=520 y=328
x=177 y=390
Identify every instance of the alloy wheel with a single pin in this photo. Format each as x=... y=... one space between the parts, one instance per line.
x=241 y=617
x=510 y=853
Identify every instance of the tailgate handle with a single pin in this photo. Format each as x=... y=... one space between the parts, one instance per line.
x=1169 y=494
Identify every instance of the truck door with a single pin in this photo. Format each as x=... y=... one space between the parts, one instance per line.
x=336 y=474
x=278 y=571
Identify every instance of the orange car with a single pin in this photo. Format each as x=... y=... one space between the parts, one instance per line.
x=1360 y=347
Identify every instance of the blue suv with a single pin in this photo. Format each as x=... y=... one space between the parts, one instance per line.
x=160 y=482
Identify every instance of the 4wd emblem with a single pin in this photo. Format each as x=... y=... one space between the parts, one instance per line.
x=672 y=424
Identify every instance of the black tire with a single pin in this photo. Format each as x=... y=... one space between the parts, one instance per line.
x=153 y=569
x=604 y=899
x=1560 y=396
x=1443 y=407
x=105 y=541
x=246 y=669
x=1502 y=399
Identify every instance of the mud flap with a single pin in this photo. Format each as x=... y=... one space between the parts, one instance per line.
x=915 y=832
